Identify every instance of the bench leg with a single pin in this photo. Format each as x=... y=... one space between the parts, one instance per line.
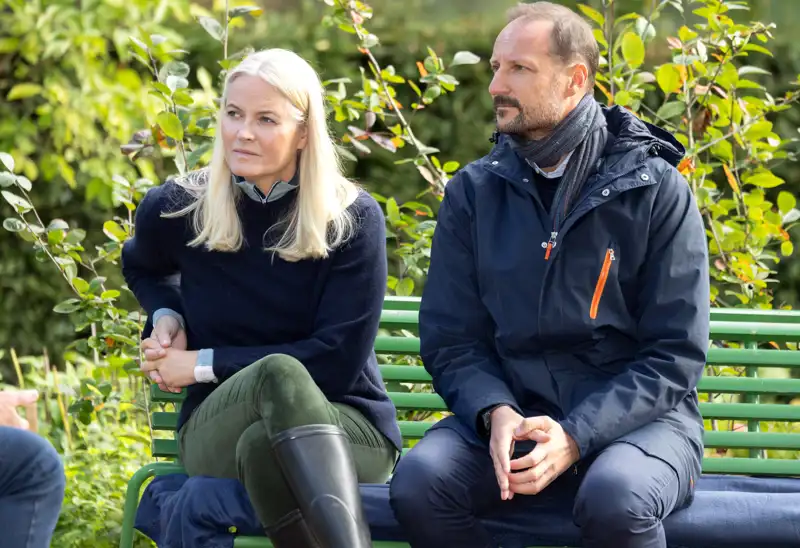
x=133 y=492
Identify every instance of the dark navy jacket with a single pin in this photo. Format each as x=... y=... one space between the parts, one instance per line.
x=609 y=335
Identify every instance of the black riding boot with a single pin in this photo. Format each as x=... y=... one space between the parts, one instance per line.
x=292 y=532
x=319 y=469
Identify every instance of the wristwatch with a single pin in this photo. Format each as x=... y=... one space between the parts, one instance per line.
x=486 y=417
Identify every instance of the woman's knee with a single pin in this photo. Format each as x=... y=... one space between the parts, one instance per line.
x=288 y=395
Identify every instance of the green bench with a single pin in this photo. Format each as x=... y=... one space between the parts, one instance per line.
x=735 y=391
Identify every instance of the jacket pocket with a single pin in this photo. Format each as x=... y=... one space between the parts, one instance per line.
x=601 y=282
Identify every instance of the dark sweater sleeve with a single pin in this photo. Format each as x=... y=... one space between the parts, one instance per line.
x=148 y=262
x=347 y=317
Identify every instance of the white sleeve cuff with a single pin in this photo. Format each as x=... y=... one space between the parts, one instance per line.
x=204 y=369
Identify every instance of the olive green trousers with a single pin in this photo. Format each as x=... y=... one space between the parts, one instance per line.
x=229 y=434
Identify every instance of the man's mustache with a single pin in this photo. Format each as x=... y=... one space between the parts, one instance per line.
x=505 y=101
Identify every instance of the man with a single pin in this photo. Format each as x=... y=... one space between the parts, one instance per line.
x=31 y=478
x=565 y=317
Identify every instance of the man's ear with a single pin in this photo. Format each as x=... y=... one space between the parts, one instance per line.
x=578 y=79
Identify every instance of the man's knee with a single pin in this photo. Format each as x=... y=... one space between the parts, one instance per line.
x=623 y=494
x=425 y=482
x=32 y=466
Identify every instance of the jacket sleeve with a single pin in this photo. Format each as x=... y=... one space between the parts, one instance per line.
x=456 y=330
x=347 y=318
x=148 y=260
x=673 y=319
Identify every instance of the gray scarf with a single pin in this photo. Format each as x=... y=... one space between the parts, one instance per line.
x=583 y=131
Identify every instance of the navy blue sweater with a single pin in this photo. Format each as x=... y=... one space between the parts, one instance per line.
x=249 y=304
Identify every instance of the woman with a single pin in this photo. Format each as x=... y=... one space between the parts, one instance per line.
x=282 y=265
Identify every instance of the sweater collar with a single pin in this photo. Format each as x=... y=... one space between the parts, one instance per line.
x=278 y=190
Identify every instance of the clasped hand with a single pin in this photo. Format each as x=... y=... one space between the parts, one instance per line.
x=555 y=452
x=166 y=360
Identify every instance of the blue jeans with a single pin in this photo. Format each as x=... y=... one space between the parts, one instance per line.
x=31 y=489
x=444 y=485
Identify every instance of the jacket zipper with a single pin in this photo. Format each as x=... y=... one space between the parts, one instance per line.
x=601 y=283
x=550 y=245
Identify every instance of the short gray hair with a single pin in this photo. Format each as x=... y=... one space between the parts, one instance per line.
x=571 y=36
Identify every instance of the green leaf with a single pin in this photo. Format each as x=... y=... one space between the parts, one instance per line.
x=392 y=211
x=13 y=225
x=171 y=125
x=253 y=11
x=668 y=78
x=24 y=183
x=176 y=82
x=370 y=41
x=786 y=201
x=592 y=14
x=114 y=231
x=728 y=77
x=787 y=248
x=18 y=203
x=764 y=179
x=758 y=130
x=431 y=93
x=177 y=68
x=633 y=49
x=182 y=98
x=75 y=236
x=671 y=109
x=756 y=47
x=212 y=27
x=405 y=287
x=753 y=70
x=110 y=294
x=7 y=160
x=8 y=45
x=67 y=307
x=23 y=91
x=622 y=98
x=81 y=285
x=7 y=179
x=450 y=167
x=464 y=58
x=686 y=34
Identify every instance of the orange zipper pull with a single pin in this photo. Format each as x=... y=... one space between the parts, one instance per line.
x=550 y=244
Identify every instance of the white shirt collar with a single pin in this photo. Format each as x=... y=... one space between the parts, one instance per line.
x=557 y=172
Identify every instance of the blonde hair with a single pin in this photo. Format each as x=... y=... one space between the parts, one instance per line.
x=319 y=220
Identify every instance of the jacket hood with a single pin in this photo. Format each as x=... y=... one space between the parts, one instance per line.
x=629 y=132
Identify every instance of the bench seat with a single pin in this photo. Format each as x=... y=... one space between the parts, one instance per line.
x=723 y=514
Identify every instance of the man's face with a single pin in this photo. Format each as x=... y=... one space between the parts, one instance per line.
x=529 y=84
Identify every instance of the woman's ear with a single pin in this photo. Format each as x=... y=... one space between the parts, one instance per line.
x=302 y=141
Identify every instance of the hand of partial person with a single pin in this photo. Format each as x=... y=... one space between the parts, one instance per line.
x=167 y=333
x=549 y=459
x=9 y=401
x=505 y=422
x=175 y=367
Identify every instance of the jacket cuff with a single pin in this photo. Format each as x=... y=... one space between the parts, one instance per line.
x=581 y=433
x=161 y=312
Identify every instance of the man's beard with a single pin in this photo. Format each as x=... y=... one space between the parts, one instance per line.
x=530 y=120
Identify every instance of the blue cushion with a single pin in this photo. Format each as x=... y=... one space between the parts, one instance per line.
x=728 y=511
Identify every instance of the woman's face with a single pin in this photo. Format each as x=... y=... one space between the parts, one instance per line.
x=260 y=136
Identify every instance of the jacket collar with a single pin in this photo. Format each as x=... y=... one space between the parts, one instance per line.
x=279 y=189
